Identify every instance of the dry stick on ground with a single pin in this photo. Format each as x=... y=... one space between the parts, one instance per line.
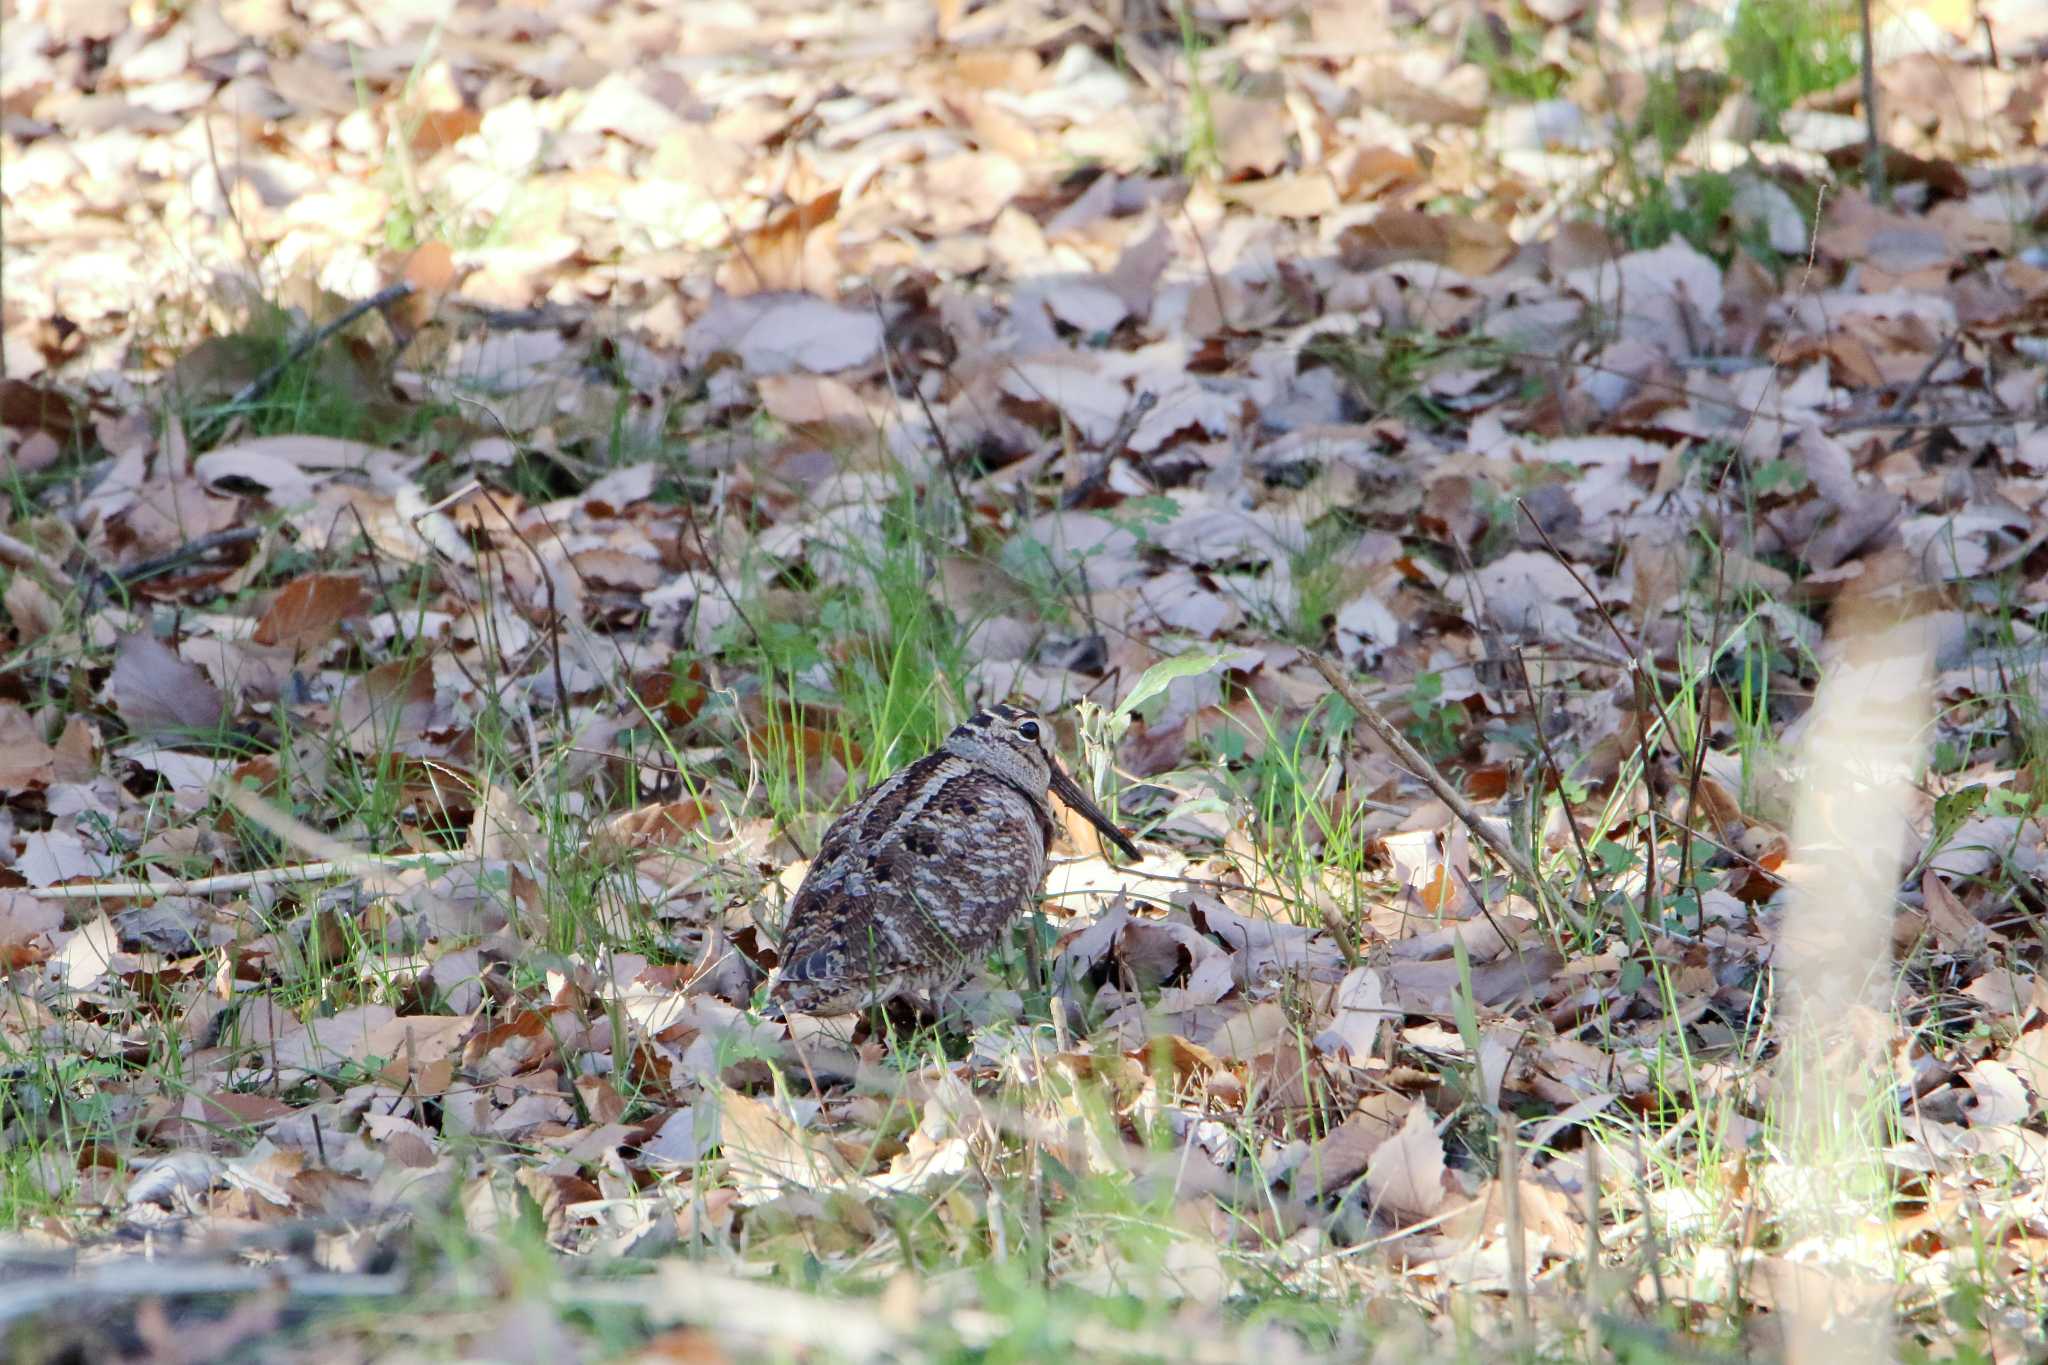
x=190 y=552
x=1873 y=155
x=1174 y=1168
x=1518 y=1249
x=1557 y=775
x=946 y=461
x=155 y=1279
x=1936 y=419
x=283 y=826
x=352 y=866
x=1911 y=394
x=1126 y=427
x=263 y=383
x=1639 y=672
x=20 y=554
x=1412 y=759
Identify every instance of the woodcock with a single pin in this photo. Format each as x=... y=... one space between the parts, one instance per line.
x=923 y=874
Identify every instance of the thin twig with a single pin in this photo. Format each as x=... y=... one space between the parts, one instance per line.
x=1638 y=671
x=1936 y=419
x=156 y=887
x=1557 y=776
x=711 y=565
x=1518 y=1248
x=1873 y=154
x=1412 y=758
x=946 y=461
x=1911 y=395
x=20 y=554
x=190 y=552
x=153 y=1278
x=263 y=383
x=1126 y=428
x=547 y=583
x=1208 y=266
x=282 y=825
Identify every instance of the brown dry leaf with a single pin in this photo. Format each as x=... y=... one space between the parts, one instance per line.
x=430 y=269
x=1955 y=928
x=519 y=1044
x=1307 y=195
x=320 y=1043
x=1431 y=987
x=820 y=401
x=1365 y=173
x=389 y=706
x=89 y=955
x=601 y=1101
x=26 y=927
x=1469 y=246
x=1359 y=1016
x=26 y=762
x=308 y=610
x=666 y=824
x=1252 y=133
x=1996 y=1097
x=37 y=407
x=164 y=514
x=1434 y=875
x=503 y=829
x=784 y=333
x=793 y=251
x=30 y=606
x=1344 y=1153
x=965 y=191
x=2029 y=1057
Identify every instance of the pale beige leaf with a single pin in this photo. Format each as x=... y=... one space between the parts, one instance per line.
x=1406 y=1173
x=765 y=1149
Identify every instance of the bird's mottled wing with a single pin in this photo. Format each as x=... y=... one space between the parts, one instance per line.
x=924 y=873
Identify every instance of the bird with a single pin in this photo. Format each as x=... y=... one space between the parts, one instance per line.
x=923 y=874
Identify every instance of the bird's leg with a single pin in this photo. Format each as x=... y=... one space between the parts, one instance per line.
x=1034 y=956
x=899 y=1016
x=937 y=1001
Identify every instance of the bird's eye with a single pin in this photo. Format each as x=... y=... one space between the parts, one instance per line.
x=1029 y=729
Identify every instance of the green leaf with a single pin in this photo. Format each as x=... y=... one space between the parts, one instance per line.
x=1613 y=857
x=1464 y=1009
x=1157 y=678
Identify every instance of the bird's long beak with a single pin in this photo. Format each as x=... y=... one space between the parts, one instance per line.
x=1070 y=792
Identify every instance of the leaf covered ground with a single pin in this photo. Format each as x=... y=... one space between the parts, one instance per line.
x=415 y=717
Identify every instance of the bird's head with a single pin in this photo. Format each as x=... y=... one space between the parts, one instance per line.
x=1017 y=745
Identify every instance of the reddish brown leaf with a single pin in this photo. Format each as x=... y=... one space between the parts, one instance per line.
x=306 y=611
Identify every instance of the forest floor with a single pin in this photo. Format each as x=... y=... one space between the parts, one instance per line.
x=1538 y=532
